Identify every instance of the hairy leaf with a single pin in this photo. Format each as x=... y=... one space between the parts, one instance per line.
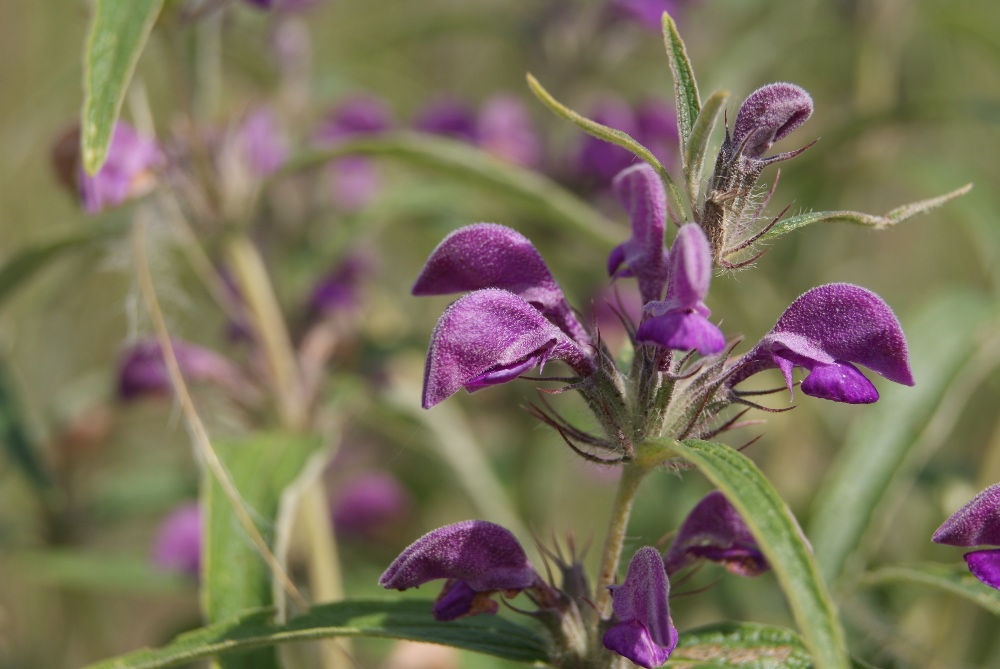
x=954 y=578
x=408 y=619
x=782 y=542
x=685 y=87
x=697 y=145
x=118 y=35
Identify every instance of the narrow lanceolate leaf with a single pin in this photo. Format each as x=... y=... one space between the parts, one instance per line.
x=607 y=134
x=387 y=619
x=685 y=87
x=472 y=165
x=895 y=216
x=17 y=442
x=697 y=145
x=118 y=34
x=747 y=645
x=235 y=576
x=881 y=441
x=782 y=543
x=953 y=578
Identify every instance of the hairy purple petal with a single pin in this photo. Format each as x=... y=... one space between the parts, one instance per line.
x=126 y=174
x=178 y=541
x=681 y=331
x=458 y=600
x=680 y=321
x=487 y=255
x=641 y=193
x=825 y=329
x=485 y=556
x=975 y=524
x=768 y=114
x=488 y=337
x=644 y=633
x=985 y=565
x=715 y=531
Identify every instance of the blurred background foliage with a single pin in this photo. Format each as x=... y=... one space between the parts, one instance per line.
x=907 y=96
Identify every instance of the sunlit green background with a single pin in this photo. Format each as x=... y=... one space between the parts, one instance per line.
x=907 y=97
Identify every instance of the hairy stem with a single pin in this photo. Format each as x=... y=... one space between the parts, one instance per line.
x=621 y=510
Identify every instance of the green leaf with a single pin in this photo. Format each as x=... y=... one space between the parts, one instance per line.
x=473 y=165
x=118 y=34
x=408 y=619
x=878 y=444
x=953 y=578
x=28 y=261
x=235 y=576
x=697 y=146
x=18 y=443
x=607 y=134
x=895 y=216
x=685 y=87
x=748 y=645
x=781 y=541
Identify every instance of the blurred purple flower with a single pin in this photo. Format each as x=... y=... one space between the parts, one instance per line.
x=681 y=320
x=826 y=330
x=644 y=633
x=178 y=541
x=264 y=145
x=127 y=173
x=504 y=128
x=652 y=124
x=477 y=557
x=368 y=505
x=449 y=118
x=715 y=531
x=142 y=371
x=355 y=179
x=338 y=290
x=644 y=255
x=490 y=337
x=649 y=13
x=977 y=524
x=283 y=5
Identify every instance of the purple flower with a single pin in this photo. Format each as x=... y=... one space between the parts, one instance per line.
x=448 y=118
x=504 y=128
x=681 y=320
x=477 y=557
x=264 y=146
x=126 y=174
x=826 y=330
x=178 y=541
x=369 y=504
x=338 y=290
x=142 y=371
x=715 y=531
x=640 y=192
x=644 y=632
x=648 y=12
x=768 y=114
x=977 y=524
x=487 y=255
x=652 y=124
x=283 y=5
x=355 y=179
x=489 y=337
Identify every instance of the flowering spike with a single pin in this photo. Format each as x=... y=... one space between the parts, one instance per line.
x=641 y=193
x=488 y=255
x=644 y=632
x=715 y=531
x=489 y=337
x=824 y=331
x=680 y=321
x=977 y=524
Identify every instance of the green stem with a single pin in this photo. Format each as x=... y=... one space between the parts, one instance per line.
x=621 y=510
